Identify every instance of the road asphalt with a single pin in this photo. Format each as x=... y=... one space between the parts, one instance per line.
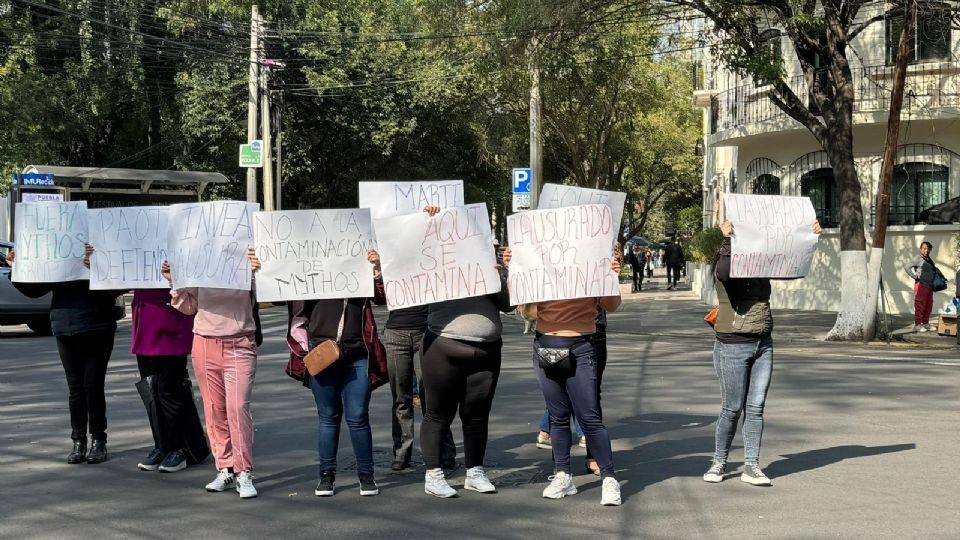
x=860 y=441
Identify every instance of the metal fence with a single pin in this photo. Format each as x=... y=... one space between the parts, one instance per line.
x=928 y=86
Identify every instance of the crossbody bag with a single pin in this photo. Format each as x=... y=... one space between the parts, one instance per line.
x=328 y=351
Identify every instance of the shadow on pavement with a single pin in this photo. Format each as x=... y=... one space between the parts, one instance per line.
x=821 y=457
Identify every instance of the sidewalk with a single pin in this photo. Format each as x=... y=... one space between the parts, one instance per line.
x=680 y=314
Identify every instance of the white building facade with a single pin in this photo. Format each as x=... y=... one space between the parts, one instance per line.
x=751 y=146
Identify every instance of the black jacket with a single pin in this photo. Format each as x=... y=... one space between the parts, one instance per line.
x=74 y=308
x=673 y=255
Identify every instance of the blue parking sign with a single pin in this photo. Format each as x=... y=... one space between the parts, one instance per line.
x=521 y=180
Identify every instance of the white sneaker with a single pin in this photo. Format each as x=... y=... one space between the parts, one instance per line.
x=610 y=492
x=920 y=328
x=561 y=485
x=222 y=482
x=435 y=484
x=477 y=481
x=929 y=327
x=245 y=485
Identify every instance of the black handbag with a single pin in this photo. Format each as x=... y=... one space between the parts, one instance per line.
x=555 y=359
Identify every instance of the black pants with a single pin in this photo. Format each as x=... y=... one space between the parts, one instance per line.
x=637 y=278
x=85 y=357
x=169 y=373
x=457 y=375
x=673 y=274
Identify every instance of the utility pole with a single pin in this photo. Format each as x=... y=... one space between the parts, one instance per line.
x=265 y=119
x=253 y=98
x=278 y=128
x=886 y=173
x=536 y=140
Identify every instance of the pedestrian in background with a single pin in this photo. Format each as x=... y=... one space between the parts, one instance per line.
x=673 y=259
x=567 y=330
x=225 y=361
x=84 y=323
x=743 y=360
x=923 y=271
x=637 y=259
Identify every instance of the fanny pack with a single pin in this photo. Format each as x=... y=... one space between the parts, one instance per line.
x=555 y=359
x=327 y=352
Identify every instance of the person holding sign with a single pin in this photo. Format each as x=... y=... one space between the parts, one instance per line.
x=566 y=364
x=161 y=338
x=342 y=388
x=84 y=323
x=460 y=368
x=224 y=361
x=743 y=360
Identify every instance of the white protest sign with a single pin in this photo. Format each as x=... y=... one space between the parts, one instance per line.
x=50 y=241
x=208 y=244
x=313 y=254
x=130 y=245
x=772 y=235
x=432 y=259
x=562 y=254
x=559 y=196
x=396 y=198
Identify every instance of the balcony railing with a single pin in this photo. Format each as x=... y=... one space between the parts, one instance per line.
x=928 y=87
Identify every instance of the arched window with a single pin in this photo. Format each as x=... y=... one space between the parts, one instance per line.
x=766 y=184
x=819 y=185
x=764 y=176
x=916 y=187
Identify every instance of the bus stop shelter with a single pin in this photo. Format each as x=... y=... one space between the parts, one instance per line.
x=107 y=188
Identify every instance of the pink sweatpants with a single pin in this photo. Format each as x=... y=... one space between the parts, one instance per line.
x=225 y=369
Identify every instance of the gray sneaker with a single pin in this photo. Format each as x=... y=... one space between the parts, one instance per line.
x=753 y=475
x=610 y=492
x=715 y=473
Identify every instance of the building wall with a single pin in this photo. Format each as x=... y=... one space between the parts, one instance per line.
x=929 y=125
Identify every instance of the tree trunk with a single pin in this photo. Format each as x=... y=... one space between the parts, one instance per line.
x=853 y=243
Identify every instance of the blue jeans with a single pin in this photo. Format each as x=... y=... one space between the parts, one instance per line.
x=574 y=392
x=545 y=425
x=343 y=389
x=744 y=370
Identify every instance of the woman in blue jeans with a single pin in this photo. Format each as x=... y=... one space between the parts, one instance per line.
x=743 y=359
x=570 y=325
x=342 y=391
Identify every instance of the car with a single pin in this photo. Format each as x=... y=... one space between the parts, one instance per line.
x=15 y=308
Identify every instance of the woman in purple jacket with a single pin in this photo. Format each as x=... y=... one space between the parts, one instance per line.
x=161 y=339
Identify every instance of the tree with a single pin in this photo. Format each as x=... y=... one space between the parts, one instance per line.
x=820 y=33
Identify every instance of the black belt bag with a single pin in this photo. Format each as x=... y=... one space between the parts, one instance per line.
x=555 y=359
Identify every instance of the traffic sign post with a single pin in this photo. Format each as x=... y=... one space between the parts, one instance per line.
x=521 y=189
x=251 y=155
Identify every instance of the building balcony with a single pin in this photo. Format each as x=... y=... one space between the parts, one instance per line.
x=932 y=92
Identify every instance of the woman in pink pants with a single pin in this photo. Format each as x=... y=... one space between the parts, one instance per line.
x=224 y=362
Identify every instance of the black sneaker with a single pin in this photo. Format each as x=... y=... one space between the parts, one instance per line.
x=153 y=461
x=326 y=484
x=368 y=486
x=175 y=461
x=399 y=465
x=98 y=452
x=79 y=452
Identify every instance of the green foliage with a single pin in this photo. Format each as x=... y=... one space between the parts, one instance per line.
x=703 y=246
x=689 y=221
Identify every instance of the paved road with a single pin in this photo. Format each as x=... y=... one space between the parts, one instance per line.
x=860 y=442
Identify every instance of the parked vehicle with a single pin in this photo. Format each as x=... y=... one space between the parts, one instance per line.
x=15 y=308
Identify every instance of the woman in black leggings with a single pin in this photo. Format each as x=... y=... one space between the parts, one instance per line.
x=460 y=367
x=84 y=323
